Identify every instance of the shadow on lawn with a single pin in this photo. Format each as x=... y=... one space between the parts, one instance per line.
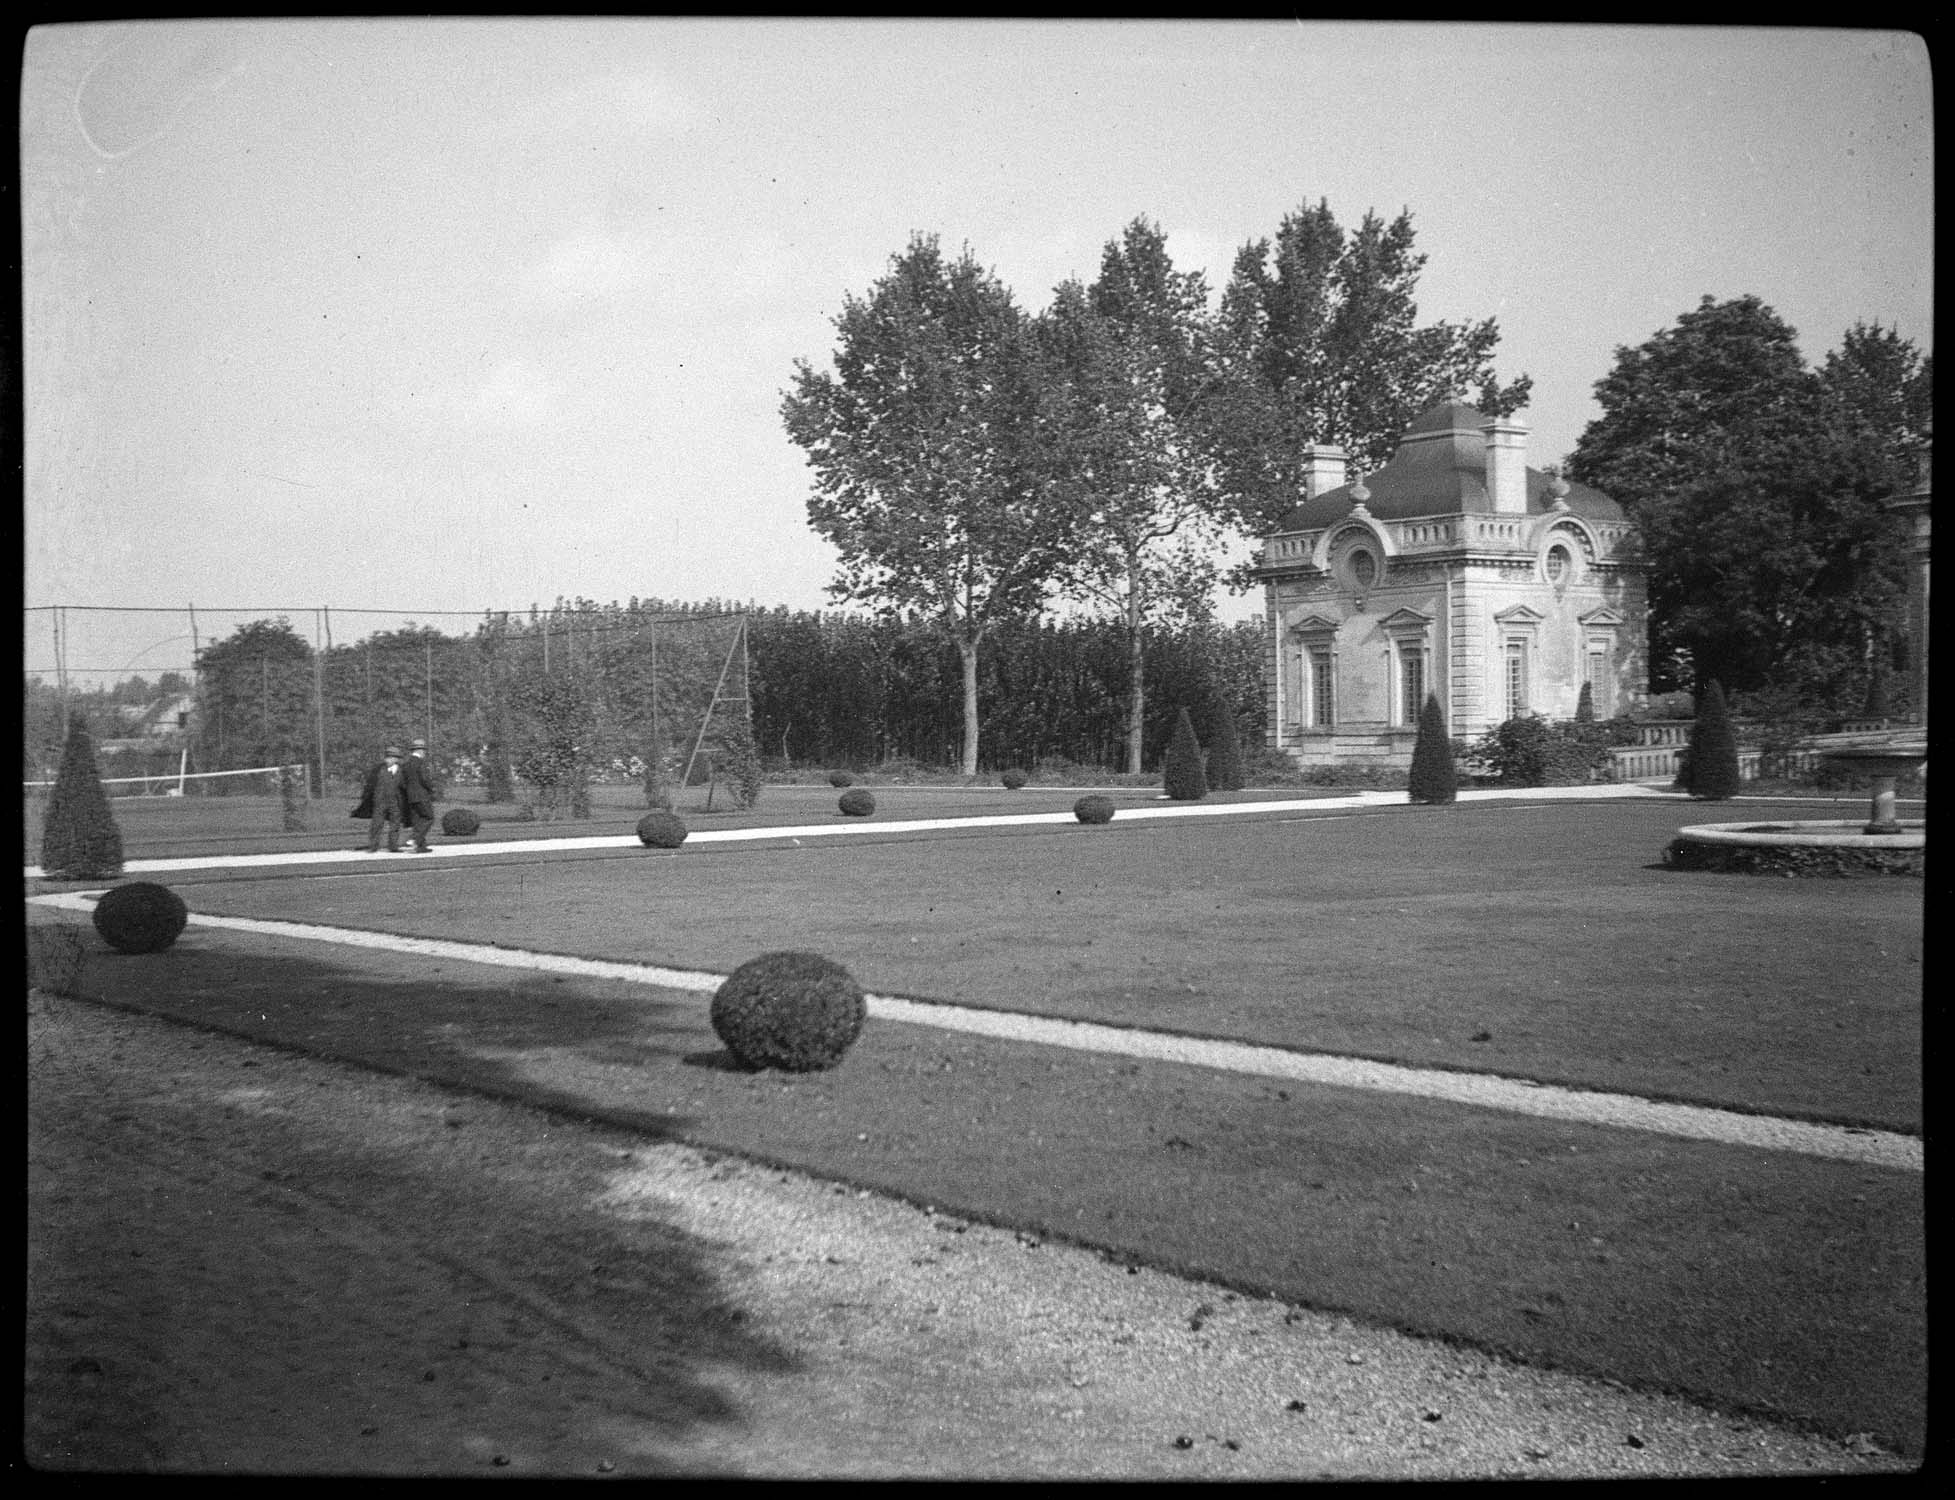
x=466 y=1027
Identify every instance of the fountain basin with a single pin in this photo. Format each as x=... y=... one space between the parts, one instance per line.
x=1836 y=847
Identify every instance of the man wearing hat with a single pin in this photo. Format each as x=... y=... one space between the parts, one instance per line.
x=382 y=802
x=417 y=794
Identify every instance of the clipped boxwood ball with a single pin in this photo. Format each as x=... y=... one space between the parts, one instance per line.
x=798 y=1012
x=140 y=917
x=459 y=822
x=1094 y=809
x=1014 y=779
x=857 y=803
x=660 y=829
x=840 y=778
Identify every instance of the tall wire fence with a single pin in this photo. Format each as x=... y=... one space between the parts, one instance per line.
x=543 y=700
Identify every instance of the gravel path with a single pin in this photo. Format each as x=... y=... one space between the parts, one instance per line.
x=242 y=1260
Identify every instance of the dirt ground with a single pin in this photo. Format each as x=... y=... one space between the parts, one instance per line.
x=244 y=1260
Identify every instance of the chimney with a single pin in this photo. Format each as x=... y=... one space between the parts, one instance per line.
x=1507 y=465
x=1323 y=469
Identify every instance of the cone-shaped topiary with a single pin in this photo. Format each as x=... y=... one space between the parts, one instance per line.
x=1585 y=704
x=1713 y=749
x=1182 y=775
x=857 y=802
x=1093 y=808
x=1224 y=748
x=743 y=771
x=1433 y=777
x=79 y=839
x=798 y=1012
x=140 y=917
x=660 y=829
x=460 y=822
x=841 y=778
x=1013 y=779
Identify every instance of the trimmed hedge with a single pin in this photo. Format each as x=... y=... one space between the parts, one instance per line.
x=460 y=822
x=857 y=802
x=840 y=779
x=79 y=839
x=660 y=829
x=798 y=1012
x=1013 y=779
x=1225 y=772
x=1182 y=774
x=1093 y=808
x=1433 y=779
x=140 y=917
x=1713 y=763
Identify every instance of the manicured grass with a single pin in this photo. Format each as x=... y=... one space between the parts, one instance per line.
x=1536 y=940
x=1767 y=1281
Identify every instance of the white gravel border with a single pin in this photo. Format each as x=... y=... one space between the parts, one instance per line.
x=1482 y=1090
x=457 y=850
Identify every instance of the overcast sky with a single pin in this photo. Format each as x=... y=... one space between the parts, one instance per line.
x=422 y=316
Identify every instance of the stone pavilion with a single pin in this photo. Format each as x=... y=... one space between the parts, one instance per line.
x=1456 y=570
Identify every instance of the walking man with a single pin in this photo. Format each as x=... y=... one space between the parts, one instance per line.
x=417 y=794
x=382 y=802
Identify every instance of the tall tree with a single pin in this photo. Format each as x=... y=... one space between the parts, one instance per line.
x=255 y=698
x=1134 y=350
x=1319 y=342
x=1757 y=485
x=932 y=446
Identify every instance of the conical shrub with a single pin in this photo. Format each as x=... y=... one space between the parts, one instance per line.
x=1585 y=705
x=1182 y=774
x=1224 y=748
x=1433 y=778
x=79 y=839
x=743 y=762
x=1713 y=774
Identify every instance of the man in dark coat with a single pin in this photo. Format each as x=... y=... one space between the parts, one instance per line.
x=417 y=793
x=382 y=802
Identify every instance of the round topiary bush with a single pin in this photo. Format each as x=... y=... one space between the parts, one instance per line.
x=460 y=822
x=1094 y=808
x=140 y=917
x=840 y=778
x=798 y=1012
x=857 y=803
x=660 y=829
x=1013 y=779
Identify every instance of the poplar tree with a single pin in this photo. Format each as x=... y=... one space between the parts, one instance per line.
x=933 y=444
x=1319 y=341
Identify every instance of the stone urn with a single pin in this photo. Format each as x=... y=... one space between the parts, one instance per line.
x=1881 y=765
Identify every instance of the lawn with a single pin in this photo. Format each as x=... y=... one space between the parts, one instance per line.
x=1536 y=939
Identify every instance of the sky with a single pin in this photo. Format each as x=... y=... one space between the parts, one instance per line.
x=413 y=316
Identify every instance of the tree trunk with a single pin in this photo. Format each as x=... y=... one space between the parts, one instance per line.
x=967 y=651
x=1136 y=680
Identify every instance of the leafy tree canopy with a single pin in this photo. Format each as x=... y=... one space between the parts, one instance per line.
x=933 y=446
x=1758 y=485
x=1320 y=340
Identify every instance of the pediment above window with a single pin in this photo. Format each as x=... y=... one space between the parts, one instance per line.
x=1519 y=614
